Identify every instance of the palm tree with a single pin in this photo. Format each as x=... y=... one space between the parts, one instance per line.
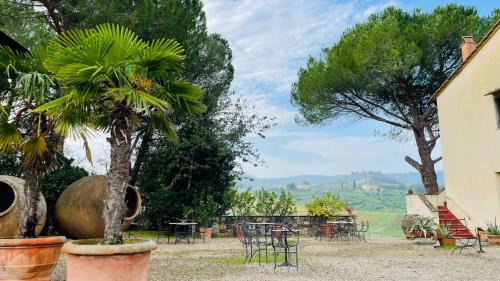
x=25 y=84
x=111 y=80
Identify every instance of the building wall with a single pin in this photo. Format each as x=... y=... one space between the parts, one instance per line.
x=470 y=137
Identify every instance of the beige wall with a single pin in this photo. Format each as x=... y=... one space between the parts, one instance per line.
x=415 y=206
x=470 y=137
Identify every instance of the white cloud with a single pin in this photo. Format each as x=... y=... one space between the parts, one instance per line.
x=99 y=148
x=312 y=154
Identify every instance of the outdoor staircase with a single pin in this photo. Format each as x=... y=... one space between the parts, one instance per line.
x=446 y=217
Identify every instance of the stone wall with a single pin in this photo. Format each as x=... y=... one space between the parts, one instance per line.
x=225 y=223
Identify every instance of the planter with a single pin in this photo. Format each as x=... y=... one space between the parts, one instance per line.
x=327 y=230
x=11 y=204
x=206 y=233
x=78 y=211
x=447 y=242
x=236 y=231
x=494 y=239
x=29 y=259
x=420 y=234
x=89 y=261
x=483 y=235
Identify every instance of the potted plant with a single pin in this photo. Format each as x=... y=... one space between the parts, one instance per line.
x=324 y=208
x=405 y=226
x=117 y=83
x=242 y=204
x=25 y=84
x=493 y=233
x=445 y=236
x=349 y=209
x=204 y=209
x=422 y=227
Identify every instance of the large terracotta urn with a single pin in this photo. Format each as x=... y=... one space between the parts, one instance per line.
x=11 y=204
x=78 y=213
x=29 y=259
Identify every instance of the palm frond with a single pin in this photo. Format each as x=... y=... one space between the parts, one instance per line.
x=164 y=126
x=34 y=148
x=184 y=96
x=141 y=100
x=10 y=137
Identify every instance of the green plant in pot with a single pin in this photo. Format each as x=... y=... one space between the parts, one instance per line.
x=242 y=204
x=25 y=84
x=422 y=227
x=204 y=210
x=324 y=208
x=445 y=236
x=112 y=81
x=493 y=232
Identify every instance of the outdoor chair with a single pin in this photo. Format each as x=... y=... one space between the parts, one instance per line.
x=254 y=240
x=317 y=232
x=285 y=241
x=342 y=232
x=360 y=233
x=163 y=229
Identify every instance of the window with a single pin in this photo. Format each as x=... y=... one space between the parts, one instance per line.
x=497 y=105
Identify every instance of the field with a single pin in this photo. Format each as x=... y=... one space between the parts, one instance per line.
x=383 y=223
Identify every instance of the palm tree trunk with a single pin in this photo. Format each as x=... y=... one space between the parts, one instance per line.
x=32 y=189
x=121 y=152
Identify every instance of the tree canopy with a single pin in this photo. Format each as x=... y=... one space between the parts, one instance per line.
x=387 y=69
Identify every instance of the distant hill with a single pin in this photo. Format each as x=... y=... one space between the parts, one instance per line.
x=321 y=181
x=366 y=190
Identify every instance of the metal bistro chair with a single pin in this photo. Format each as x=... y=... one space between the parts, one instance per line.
x=254 y=241
x=184 y=231
x=246 y=240
x=285 y=241
x=342 y=231
x=364 y=229
x=163 y=229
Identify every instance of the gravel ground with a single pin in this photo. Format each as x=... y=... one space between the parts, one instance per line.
x=382 y=258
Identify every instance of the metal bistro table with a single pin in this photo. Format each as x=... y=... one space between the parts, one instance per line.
x=342 y=228
x=183 y=230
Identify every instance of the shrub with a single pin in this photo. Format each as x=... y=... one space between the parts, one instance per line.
x=326 y=206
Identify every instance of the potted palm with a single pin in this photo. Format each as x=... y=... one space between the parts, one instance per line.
x=25 y=84
x=113 y=80
x=493 y=233
x=445 y=236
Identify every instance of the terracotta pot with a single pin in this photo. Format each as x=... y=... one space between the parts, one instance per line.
x=420 y=234
x=11 y=204
x=327 y=230
x=494 y=239
x=447 y=242
x=483 y=235
x=78 y=211
x=29 y=259
x=206 y=233
x=237 y=232
x=88 y=261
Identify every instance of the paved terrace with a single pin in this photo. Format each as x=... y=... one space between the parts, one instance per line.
x=382 y=258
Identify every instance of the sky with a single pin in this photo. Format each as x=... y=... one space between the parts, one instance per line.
x=271 y=40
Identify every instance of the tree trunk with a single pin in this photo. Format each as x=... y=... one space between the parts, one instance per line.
x=121 y=152
x=426 y=167
x=32 y=188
